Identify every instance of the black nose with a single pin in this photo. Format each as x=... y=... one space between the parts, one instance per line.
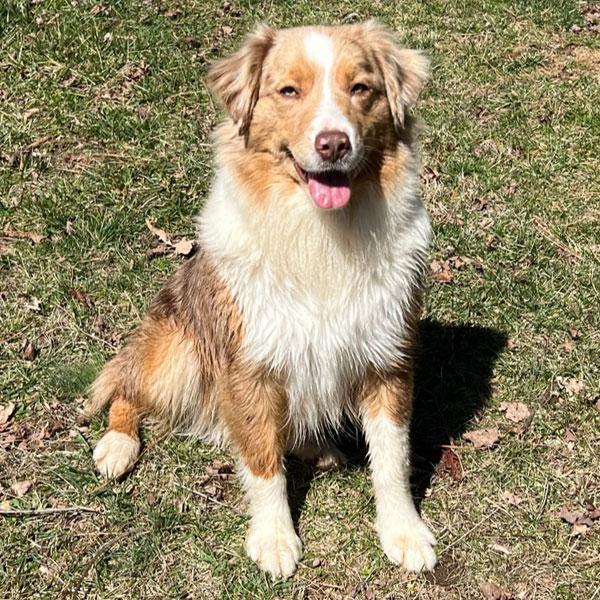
x=332 y=145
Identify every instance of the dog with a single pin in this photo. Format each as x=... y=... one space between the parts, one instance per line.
x=300 y=308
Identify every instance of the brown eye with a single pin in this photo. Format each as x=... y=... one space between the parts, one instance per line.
x=359 y=89
x=288 y=91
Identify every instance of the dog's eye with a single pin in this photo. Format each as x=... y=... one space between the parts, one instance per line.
x=288 y=91
x=358 y=89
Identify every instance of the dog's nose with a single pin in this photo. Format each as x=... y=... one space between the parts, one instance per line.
x=332 y=145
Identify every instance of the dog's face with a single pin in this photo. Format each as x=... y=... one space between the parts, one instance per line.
x=325 y=102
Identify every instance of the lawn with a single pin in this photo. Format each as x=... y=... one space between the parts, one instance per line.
x=105 y=123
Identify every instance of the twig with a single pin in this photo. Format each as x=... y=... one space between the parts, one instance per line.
x=211 y=499
x=130 y=467
x=46 y=511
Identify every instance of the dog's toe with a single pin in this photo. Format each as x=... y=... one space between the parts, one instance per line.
x=115 y=453
x=277 y=549
x=410 y=546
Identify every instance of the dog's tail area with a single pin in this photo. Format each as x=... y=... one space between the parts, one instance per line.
x=103 y=390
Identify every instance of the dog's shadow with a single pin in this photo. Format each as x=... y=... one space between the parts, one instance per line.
x=454 y=370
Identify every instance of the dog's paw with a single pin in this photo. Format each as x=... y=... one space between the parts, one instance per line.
x=275 y=547
x=409 y=545
x=115 y=453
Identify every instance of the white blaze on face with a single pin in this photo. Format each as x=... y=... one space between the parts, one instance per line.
x=320 y=49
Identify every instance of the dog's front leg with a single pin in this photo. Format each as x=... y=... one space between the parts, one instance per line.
x=386 y=411
x=255 y=415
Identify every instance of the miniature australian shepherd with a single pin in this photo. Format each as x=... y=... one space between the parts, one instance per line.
x=300 y=308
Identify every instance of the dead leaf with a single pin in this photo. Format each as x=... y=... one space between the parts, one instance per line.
x=143 y=112
x=81 y=297
x=574 y=333
x=450 y=463
x=172 y=13
x=6 y=412
x=161 y=234
x=95 y=9
x=510 y=498
x=69 y=228
x=227 y=30
x=183 y=247
x=574 y=386
x=570 y=436
x=512 y=187
x=28 y=350
x=429 y=174
x=483 y=438
x=492 y=591
x=579 y=529
x=515 y=411
x=567 y=346
x=20 y=488
x=440 y=271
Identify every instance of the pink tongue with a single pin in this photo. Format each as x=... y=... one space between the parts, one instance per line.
x=329 y=190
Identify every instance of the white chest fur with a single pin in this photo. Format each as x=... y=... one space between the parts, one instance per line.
x=324 y=295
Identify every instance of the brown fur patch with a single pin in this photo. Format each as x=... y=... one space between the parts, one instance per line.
x=391 y=393
x=124 y=418
x=254 y=409
x=171 y=366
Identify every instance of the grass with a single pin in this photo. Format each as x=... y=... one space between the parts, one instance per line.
x=105 y=121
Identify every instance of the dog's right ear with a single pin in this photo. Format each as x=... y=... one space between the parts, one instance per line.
x=236 y=79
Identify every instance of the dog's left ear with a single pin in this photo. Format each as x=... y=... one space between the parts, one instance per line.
x=236 y=79
x=405 y=71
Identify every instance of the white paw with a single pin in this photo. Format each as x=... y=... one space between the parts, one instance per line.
x=409 y=545
x=275 y=547
x=115 y=453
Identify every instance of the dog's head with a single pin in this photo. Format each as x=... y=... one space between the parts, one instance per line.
x=325 y=102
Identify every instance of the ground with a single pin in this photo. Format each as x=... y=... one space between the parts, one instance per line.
x=105 y=123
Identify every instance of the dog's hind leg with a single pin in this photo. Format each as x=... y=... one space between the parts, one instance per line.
x=120 y=445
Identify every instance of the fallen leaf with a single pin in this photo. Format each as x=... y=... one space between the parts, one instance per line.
x=575 y=333
x=510 y=498
x=20 y=488
x=512 y=188
x=183 y=247
x=227 y=30
x=95 y=9
x=173 y=12
x=515 y=411
x=6 y=412
x=443 y=276
x=567 y=346
x=161 y=234
x=451 y=464
x=483 y=438
x=492 y=591
x=69 y=228
x=316 y=563
x=81 y=297
x=574 y=386
x=579 y=529
x=28 y=350
x=570 y=436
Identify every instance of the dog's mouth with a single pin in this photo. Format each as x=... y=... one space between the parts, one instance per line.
x=328 y=189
